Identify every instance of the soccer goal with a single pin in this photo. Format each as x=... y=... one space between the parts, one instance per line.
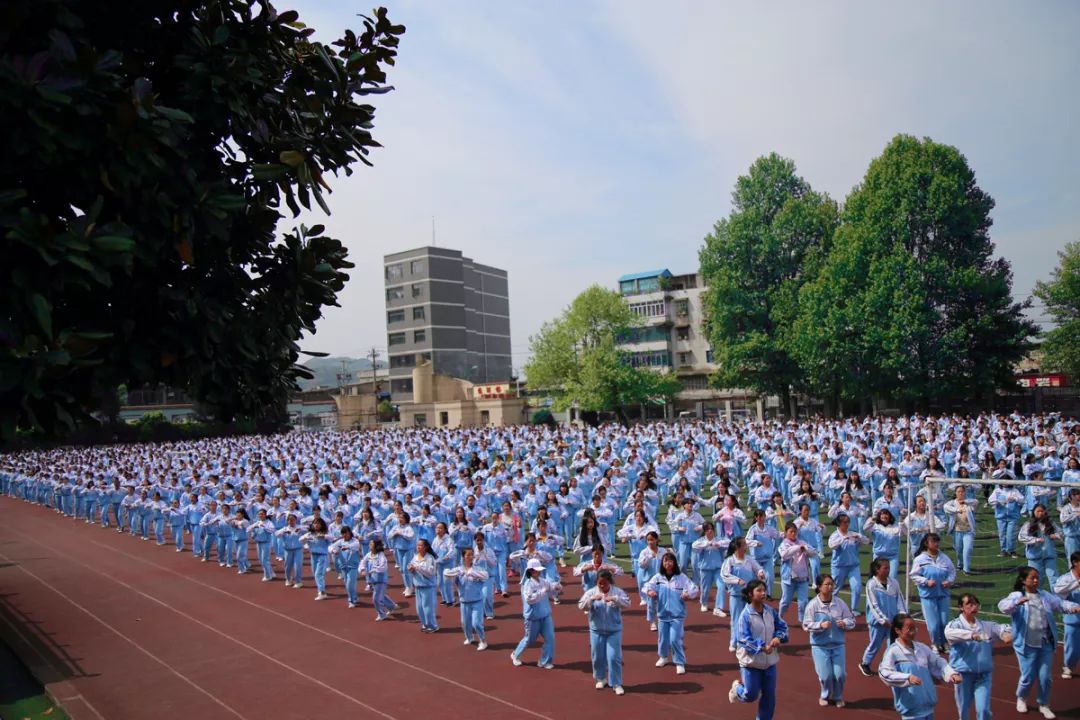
x=982 y=524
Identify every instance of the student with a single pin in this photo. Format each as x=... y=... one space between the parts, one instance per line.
x=826 y=619
x=208 y=524
x=177 y=520
x=884 y=601
x=710 y=552
x=238 y=527
x=346 y=550
x=1038 y=536
x=293 y=547
x=1067 y=587
x=1034 y=635
x=604 y=604
x=156 y=513
x=484 y=558
x=811 y=532
x=445 y=558
x=795 y=556
x=401 y=537
x=317 y=542
x=374 y=569
x=760 y=631
x=535 y=594
x=1007 y=502
x=934 y=574
x=970 y=654
x=685 y=526
x=883 y=530
x=961 y=512
x=763 y=539
x=910 y=668
x=844 y=544
x=738 y=570
x=648 y=564
x=424 y=569
x=497 y=535
x=1069 y=513
x=472 y=580
x=671 y=589
x=262 y=530
x=590 y=571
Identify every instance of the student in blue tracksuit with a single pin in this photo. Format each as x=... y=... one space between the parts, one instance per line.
x=760 y=631
x=294 y=550
x=648 y=564
x=884 y=601
x=1007 y=502
x=484 y=558
x=445 y=558
x=497 y=536
x=910 y=669
x=826 y=619
x=374 y=568
x=604 y=604
x=795 y=558
x=845 y=544
x=239 y=527
x=934 y=574
x=970 y=654
x=347 y=551
x=177 y=519
x=424 y=569
x=262 y=531
x=738 y=570
x=671 y=589
x=222 y=533
x=881 y=527
x=472 y=582
x=1067 y=587
x=763 y=539
x=1069 y=514
x=317 y=542
x=1034 y=634
x=710 y=552
x=590 y=570
x=1038 y=536
x=536 y=593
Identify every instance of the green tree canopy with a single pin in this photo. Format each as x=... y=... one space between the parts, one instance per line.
x=1061 y=297
x=910 y=301
x=755 y=262
x=150 y=149
x=576 y=357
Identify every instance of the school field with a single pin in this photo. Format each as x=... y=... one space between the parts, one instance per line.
x=120 y=628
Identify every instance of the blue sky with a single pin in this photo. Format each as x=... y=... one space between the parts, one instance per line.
x=572 y=142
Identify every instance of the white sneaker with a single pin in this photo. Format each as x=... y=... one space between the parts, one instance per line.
x=481 y=646
x=266 y=579
x=320 y=596
x=719 y=613
x=352 y=605
x=704 y=608
x=1047 y=712
x=600 y=684
x=652 y=626
x=641 y=602
x=1021 y=706
x=1066 y=673
x=467 y=642
x=514 y=659
x=733 y=693
x=661 y=662
x=407 y=593
x=547 y=666
x=298 y=585
x=619 y=690
x=680 y=669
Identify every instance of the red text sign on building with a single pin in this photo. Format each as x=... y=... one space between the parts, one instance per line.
x=1041 y=381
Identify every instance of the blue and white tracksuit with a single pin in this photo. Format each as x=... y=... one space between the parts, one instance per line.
x=827 y=644
x=934 y=600
x=754 y=631
x=605 y=632
x=1034 y=637
x=973 y=659
x=913 y=702
x=1067 y=587
x=671 y=613
x=536 y=609
x=883 y=603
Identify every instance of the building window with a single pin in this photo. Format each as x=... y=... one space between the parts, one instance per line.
x=420 y=420
x=418 y=313
x=395 y=316
x=485 y=417
x=647 y=285
x=686 y=358
x=444 y=419
x=652 y=308
x=402 y=361
x=394 y=272
x=420 y=336
x=644 y=335
x=682 y=333
x=695 y=382
x=417 y=290
x=395 y=293
x=396 y=338
x=709 y=356
x=651 y=358
x=682 y=308
x=416 y=267
x=401 y=385
x=628 y=287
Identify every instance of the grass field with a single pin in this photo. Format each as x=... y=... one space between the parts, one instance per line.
x=21 y=696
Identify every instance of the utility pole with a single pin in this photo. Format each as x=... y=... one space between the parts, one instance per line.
x=374 y=355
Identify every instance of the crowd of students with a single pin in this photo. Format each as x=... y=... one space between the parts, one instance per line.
x=459 y=514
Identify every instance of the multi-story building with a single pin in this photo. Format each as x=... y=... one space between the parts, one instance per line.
x=449 y=309
x=672 y=337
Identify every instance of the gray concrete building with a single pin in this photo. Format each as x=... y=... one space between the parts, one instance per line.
x=447 y=308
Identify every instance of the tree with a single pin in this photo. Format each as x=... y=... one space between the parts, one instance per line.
x=910 y=301
x=1061 y=297
x=577 y=358
x=755 y=262
x=150 y=149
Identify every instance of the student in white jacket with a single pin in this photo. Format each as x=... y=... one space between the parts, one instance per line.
x=910 y=669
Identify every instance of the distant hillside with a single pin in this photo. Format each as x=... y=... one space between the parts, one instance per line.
x=326 y=370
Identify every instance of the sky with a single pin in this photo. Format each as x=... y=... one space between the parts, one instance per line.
x=572 y=142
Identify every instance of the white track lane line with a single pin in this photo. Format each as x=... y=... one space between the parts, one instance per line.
x=225 y=635
x=121 y=635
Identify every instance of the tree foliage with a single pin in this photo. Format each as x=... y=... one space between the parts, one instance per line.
x=911 y=302
x=577 y=358
x=755 y=262
x=1061 y=297
x=150 y=150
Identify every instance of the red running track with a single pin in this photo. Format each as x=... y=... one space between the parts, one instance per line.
x=121 y=628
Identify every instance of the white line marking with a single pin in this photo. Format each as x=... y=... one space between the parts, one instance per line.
x=214 y=630
x=119 y=634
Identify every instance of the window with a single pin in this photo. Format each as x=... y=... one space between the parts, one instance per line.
x=648 y=284
x=418 y=313
x=420 y=336
x=628 y=287
x=652 y=308
x=686 y=358
x=395 y=293
x=420 y=420
x=485 y=417
x=644 y=335
x=395 y=316
x=394 y=272
x=682 y=333
x=709 y=356
x=396 y=338
x=682 y=307
x=402 y=361
x=416 y=267
x=651 y=358
x=444 y=419
x=695 y=382
x=401 y=385
x=417 y=290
